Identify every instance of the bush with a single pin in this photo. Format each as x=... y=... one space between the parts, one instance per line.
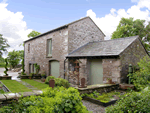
x=23 y=70
x=61 y=82
x=133 y=102
x=6 y=69
x=57 y=100
x=48 y=79
x=58 y=81
x=141 y=78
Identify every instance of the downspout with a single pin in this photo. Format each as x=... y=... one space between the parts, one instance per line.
x=24 y=54
x=64 y=67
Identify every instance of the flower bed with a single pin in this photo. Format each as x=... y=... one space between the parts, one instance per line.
x=104 y=99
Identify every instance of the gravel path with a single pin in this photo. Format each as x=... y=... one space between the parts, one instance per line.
x=10 y=73
x=93 y=107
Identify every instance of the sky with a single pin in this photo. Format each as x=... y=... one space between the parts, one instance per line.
x=19 y=17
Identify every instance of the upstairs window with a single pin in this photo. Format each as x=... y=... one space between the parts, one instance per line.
x=49 y=47
x=28 y=48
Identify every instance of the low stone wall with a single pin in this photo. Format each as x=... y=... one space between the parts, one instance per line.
x=100 y=89
x=7 y=98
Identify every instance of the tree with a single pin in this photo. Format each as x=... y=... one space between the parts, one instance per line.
x=128 y=27
x=21 y=54
x=33 y=34
x=3 y=45
x=13 y=58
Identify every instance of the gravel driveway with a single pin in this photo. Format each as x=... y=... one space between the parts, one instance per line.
x=93 y=107
x=10 y=73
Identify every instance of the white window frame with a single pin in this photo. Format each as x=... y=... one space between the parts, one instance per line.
x=49 y=47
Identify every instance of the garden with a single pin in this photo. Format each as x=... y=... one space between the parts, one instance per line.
x=65 y=99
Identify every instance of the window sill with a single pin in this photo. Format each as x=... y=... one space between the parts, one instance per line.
x=49 y=56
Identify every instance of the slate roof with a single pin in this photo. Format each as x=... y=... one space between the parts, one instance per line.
x=103 y=48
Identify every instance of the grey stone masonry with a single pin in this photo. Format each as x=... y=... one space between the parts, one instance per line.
x=65 y=39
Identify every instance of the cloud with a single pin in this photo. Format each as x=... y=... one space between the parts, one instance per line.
x=134 y=0
x=13 y=27
x=109 y=22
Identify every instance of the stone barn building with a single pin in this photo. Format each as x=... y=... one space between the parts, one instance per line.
x=56 y=50
x=105 y=59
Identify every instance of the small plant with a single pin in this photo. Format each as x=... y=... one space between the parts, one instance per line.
x=37 y=67
x=6 y=69
x=31 y=74
x=43 y=74
x=109 y=78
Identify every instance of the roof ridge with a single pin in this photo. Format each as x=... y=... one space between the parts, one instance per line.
x=116 y=39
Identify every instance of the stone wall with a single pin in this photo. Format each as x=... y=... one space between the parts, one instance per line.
x=111 y=69
x=82 y=32
x=131 y=55
x=38 y=50
x=64 y=41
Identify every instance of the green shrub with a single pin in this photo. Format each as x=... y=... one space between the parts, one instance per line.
x=58 y=81
x=56 y=100
x=23 y=70
x=141 y=78
x=61 y=82
x=48 y=79
x=6 y=69
x=134 y=102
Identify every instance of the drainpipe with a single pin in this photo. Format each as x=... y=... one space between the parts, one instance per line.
x=64 y=67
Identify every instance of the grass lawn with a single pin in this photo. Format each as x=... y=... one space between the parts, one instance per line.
x=15 y=86
x=36 y=84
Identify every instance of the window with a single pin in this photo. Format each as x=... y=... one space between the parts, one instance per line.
x=28 y=48
x=32 y=68
x=49 y=47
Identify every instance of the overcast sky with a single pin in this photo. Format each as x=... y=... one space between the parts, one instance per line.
x=19 y=17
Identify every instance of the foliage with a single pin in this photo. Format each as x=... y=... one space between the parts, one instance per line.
x=23 y=70
x=3 y=45
x=48 y=79
x=31 y=74
x=58 y=81
x=33 y=34
x=13 y=58
x=6 y=69
x=56 y=100
x=133 y=102
x=128 y=27
x=61 y=82
x=2 y=60
x=21 y=54
x=37 y=67
x=104 y=97
x=141 y=78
